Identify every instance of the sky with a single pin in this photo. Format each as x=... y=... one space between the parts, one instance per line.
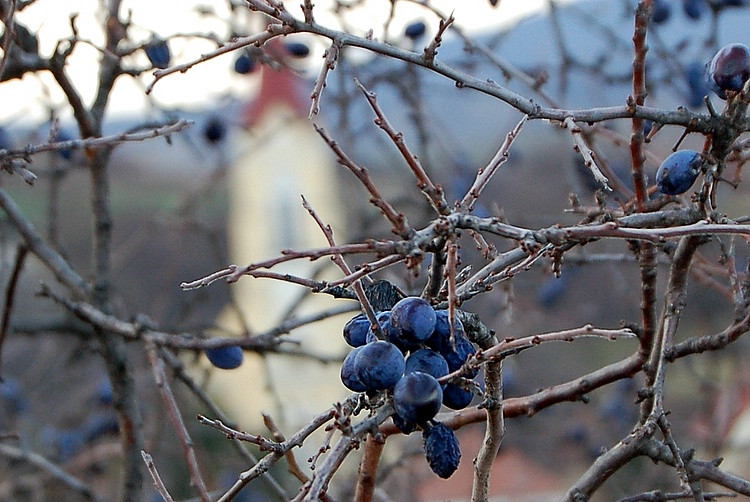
x=33 y=97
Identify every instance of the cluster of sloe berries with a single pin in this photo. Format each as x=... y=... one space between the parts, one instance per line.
x=727 y=72
x=415 y=348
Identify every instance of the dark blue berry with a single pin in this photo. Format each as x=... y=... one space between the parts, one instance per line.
x=552 y=291
x=661 y=11
x=697 y=85
x=456 y=397
x=159 y=54
x=440 y=338
x=244 y=64
x=297 y=49
x=379 y=365
x=66 y=153
x=413 y=318
x=68 y=443
x=415 y=30
x=6 y=143
x=226 y=358
x=647 y=126
x=417 y=397
x=442 y=450
x=427 y=361
x=678 y=172
x=104 y=392
x=384 y=322
x=355 y=331
x=457 y=356
x=11 y=395
x=99 y=425
x=391 y=335
x=348 y=376
x=693 y=8
x=729 y=69
x=214 y=130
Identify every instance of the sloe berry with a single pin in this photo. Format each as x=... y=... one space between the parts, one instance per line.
x=417 y=397
x=693 y=8
x=678 y=172
x=413 y=318
x=729 y=69
x=244 y=63
x=297 y=49
x=214 y=130
x=355 y=331
x=440 y=340
x=415 y=30
x=661 y=11
x=226 y=358
x=379 y=365
x=455 y=397
x=159 y=54
x=427 y=361
x=442 y=450
x=348 y=376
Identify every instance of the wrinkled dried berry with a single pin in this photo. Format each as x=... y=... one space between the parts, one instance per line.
x=442 y=450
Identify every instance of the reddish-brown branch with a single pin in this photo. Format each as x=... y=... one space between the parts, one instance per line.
x=331 y=55
x=398 y=220
x=338 y=259
x=291 y=460
x=484 y=175
x=434 y=193
x=173 y=409
x=368 y=468
x=642 y=15
x=532 y=404
x=431 y=50
x=158 y=483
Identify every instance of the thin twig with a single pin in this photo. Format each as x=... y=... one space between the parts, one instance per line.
x=434 y=193
x=96 y=143
x=50 y=468
x=10 y=32
x=273 y=30
x=331 y=56
x=173 y=409
x=180 y=373
x=484 y=175
x=338 y=259
x=158 y=483
x=10 y=293
x=588 y=155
